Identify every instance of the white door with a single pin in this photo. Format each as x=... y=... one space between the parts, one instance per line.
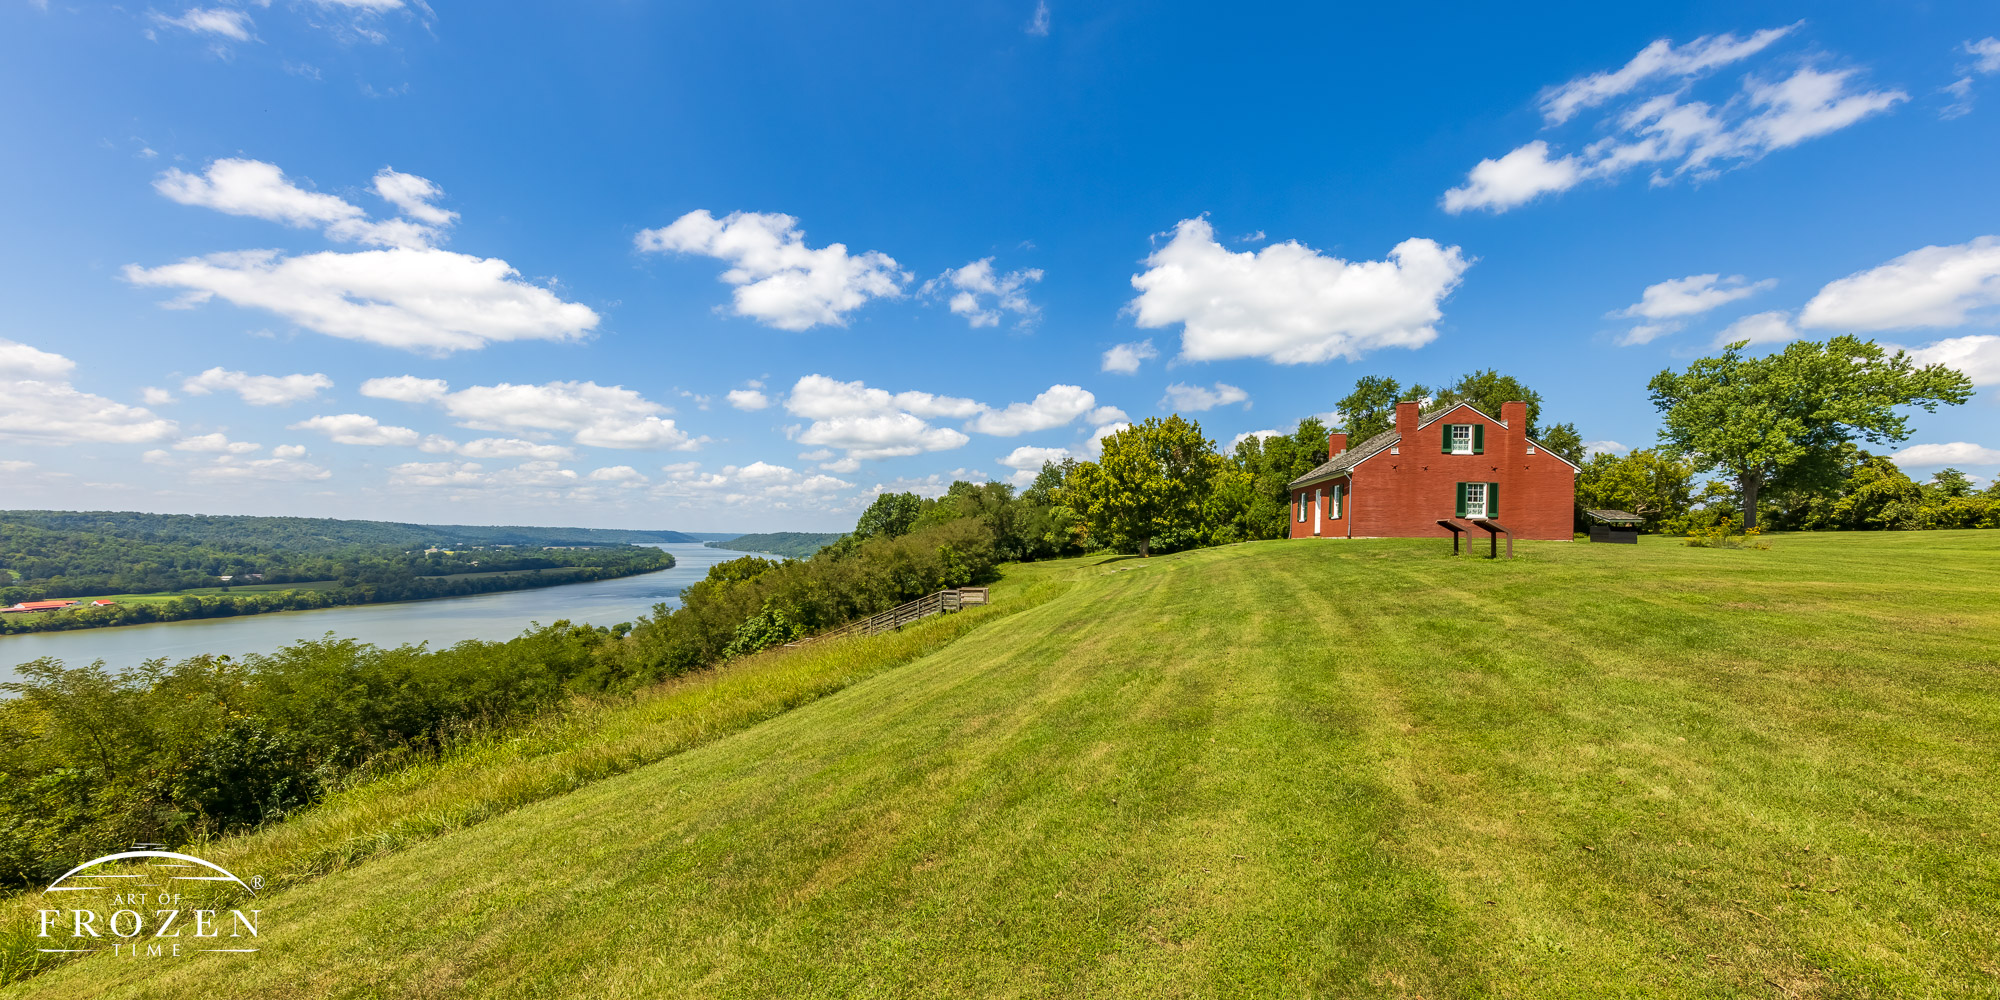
x=1319 y=511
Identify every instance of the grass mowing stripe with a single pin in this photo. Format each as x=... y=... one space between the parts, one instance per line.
x=1273 y=770
x=495 y=773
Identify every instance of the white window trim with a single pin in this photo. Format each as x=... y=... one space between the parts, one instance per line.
x=1452 y=429
x=1479 y=509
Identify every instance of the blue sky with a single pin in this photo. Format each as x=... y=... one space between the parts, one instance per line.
x=740 y=266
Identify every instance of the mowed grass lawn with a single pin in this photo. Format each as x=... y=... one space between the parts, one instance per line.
x=1277 y=769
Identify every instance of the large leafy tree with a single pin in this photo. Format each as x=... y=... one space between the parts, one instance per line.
x=1257 y=504
x=1486 y=389
x=1371 y=408
x=1780 y=420
x=1651 y=483
x=1150 y=484
x=892 y=515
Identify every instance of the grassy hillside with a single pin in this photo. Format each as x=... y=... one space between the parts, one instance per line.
x=1275 y=769
x=790 y=544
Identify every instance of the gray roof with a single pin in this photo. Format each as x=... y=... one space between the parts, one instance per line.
x=1352 y=457
x=1613 y=516
x=1344 y=462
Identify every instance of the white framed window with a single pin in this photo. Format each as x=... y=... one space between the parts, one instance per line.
x=1475 y=499
x=1339 y=494
x=1302 y=507
x=1461 y=439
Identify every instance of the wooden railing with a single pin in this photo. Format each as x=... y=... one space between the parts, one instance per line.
x=942 y=602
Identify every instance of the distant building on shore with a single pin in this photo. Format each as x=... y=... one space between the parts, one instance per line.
x=31 y=606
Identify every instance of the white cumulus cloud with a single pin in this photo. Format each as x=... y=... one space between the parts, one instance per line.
x=598 y=416
x=406 y=388
x=1925 y=456
x=356 y=428
x=258 y=390
x=1247 y=435
x=1658 y=60
x=224 y=21
x=1055 y=407
x=415 y=299
x=1519 y=177
x=748 y=399
x=414 y=196
x=261 y=190
x=494 y=447
x=219 y=443
x=1774 y=327
x=410 y=295
x=1935 y=286
x=1986 y=53
x=1026 y=461
x=1038 y=23
x=1663 y=130
x=19 y=361
x=779 y=281
x=1290 y=304
x=1095 y=445
x=1125 y=358
x=867 y=422
x=273 y=470
x=1195 y=398
x=38 y=405
x=1692 y=295
x=981 y=294
x=621 y=474
x=1977 y=356
x=1028 y=458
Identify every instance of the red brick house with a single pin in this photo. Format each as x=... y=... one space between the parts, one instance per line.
x=1454 y=461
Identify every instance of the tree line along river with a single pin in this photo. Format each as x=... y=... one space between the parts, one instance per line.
x=440 y=622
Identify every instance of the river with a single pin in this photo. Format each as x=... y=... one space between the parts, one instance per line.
x=440 y=622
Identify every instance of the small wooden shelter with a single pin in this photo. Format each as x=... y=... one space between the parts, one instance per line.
x=1615 y=526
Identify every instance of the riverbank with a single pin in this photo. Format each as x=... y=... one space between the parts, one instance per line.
x=117 y=610
x=439 y=622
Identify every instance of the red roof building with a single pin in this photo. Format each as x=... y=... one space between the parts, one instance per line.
x=40 y=605
x=1454 y=461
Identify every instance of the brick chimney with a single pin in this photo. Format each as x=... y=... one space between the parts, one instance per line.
x=1516 y=417
x=1336 y=443
x=1406 y=420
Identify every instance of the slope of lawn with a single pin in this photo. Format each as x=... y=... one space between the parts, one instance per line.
x=1276 y=769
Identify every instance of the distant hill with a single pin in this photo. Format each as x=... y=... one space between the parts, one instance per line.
x=790 y=544
x=317 y=534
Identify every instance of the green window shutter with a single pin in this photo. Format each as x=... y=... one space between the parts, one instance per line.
x=1492 y=499
x=1461 y=500
x=1479 y=439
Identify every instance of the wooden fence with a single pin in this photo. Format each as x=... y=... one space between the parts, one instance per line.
x=942 y=602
